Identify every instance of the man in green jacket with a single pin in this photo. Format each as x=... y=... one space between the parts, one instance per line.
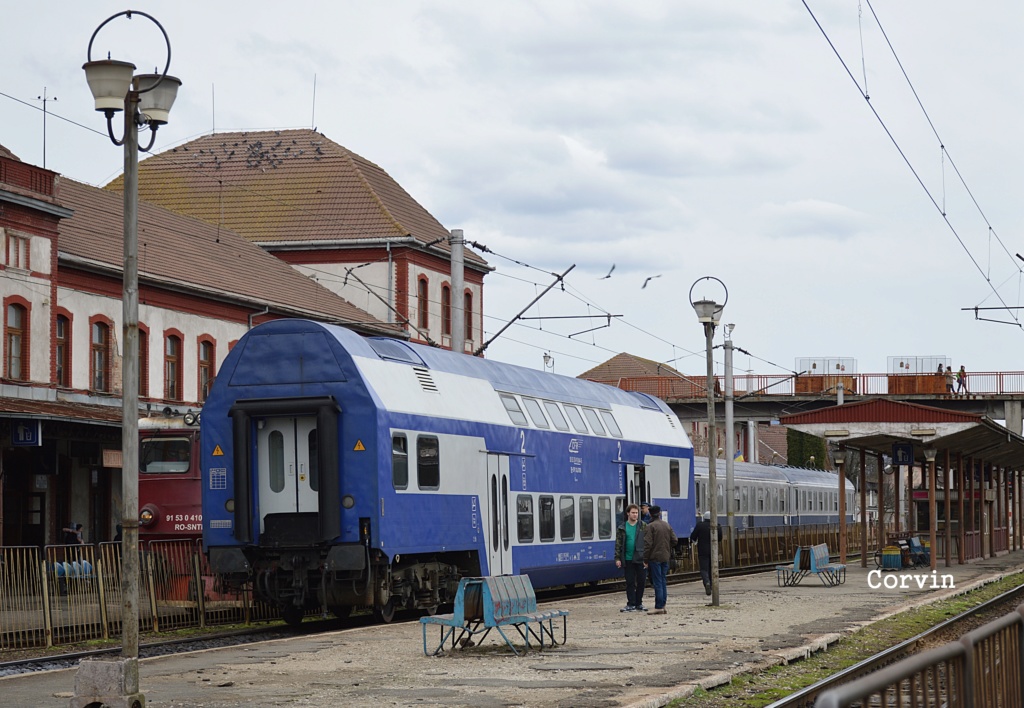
x=629 y=555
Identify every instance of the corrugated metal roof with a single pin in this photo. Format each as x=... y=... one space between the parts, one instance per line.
x=878 y=410
x=60 y=410
x=876 y=424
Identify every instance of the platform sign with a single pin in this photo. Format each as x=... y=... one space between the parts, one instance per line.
x=26 y=432
x=903 y=453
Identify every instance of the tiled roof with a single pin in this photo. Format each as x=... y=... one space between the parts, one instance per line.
x=180 y=252
x=626 y=365
x=285 y=185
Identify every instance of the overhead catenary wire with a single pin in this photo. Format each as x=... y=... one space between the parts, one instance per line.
x=940 y=208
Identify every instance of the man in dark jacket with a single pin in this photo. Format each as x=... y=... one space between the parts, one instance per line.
x=659 y=540
x=629 y=555
x=702 y=535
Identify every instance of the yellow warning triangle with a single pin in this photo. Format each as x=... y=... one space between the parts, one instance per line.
x=217 y=451
x=359 y=446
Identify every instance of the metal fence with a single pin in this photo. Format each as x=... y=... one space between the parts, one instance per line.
x=70 y=594
x=983 y=669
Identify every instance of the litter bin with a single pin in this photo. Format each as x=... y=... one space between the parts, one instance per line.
x=892 y=558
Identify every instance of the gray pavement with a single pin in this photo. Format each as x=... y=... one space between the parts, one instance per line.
x=610 y=659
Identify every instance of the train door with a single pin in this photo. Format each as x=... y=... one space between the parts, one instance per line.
x=496 y=517
x=286 y=454
x=637 y=486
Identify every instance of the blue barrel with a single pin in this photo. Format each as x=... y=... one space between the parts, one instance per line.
x=891 y=558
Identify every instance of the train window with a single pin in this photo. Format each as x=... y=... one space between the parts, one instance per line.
x=620 y=509
x=775 y=500
x=547 y=518
x=575 y=418
x=821 y=501
x=604 y=517
x=275 y=453
x=164 y=455
x=720 y=497
x=567 y=518
x=673 y=478
x=536 y=414
x=594 y=420
x=586 y=518
x=524 y=517
x=428 y=464
x=609 y=422
x=782 y=501
x=803 y=499
x=760 y=499
x=557 y=419
x=744 y=499
x=399 y=462
x=513 y=409
x=314 y=460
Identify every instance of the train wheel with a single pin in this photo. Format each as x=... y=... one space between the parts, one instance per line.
x=385 y=613
x=342 y=611
x=292 y=615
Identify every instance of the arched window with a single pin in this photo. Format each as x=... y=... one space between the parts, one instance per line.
x=467 y=307
x=446 y=310
x=172 y=368
x=207 y=359
x=421 y=304
x=99 y=363
x=17 y=342
x=62 y=351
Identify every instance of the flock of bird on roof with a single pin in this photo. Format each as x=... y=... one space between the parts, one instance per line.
x=258 y=156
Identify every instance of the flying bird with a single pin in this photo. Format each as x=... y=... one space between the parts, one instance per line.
x=609 y=273
x=649 y=279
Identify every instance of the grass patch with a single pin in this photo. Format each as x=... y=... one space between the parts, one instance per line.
x=757 y=689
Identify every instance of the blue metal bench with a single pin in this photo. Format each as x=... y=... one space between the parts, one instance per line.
x=790 y=575
x=830 y=574
x=494 y=602
x=807 y=560
x=919 y=555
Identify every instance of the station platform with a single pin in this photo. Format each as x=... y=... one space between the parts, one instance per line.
x=611 y=657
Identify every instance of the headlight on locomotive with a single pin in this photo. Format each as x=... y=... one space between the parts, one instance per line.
x=146 y=516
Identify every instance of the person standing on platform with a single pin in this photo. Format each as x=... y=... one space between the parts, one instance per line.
x=629 y=555
x=702 y=535
x=950 y=380
x=645 y=513
x=659 y=540
x=961 y=380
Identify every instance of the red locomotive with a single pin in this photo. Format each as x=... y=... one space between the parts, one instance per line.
x=170 y=506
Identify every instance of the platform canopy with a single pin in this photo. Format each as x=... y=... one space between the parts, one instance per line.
x=876 y=424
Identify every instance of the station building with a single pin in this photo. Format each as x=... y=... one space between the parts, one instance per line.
x=201 y=286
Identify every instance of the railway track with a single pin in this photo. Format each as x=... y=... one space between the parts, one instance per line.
x=940 y=634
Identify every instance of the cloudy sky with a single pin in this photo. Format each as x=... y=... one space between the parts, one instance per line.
x=672 y=138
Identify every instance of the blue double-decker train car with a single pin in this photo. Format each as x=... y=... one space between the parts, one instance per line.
x=343 y=471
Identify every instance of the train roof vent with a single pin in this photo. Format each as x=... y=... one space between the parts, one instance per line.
x=425 y=379
x=672 y=420
x=394 y=350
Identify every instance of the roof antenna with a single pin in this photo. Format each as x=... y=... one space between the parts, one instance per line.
x=312 y=119
x=44 y=99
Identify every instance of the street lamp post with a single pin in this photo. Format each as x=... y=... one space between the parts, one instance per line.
x=840 y=460
x=146 y=100
x=709 y=313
